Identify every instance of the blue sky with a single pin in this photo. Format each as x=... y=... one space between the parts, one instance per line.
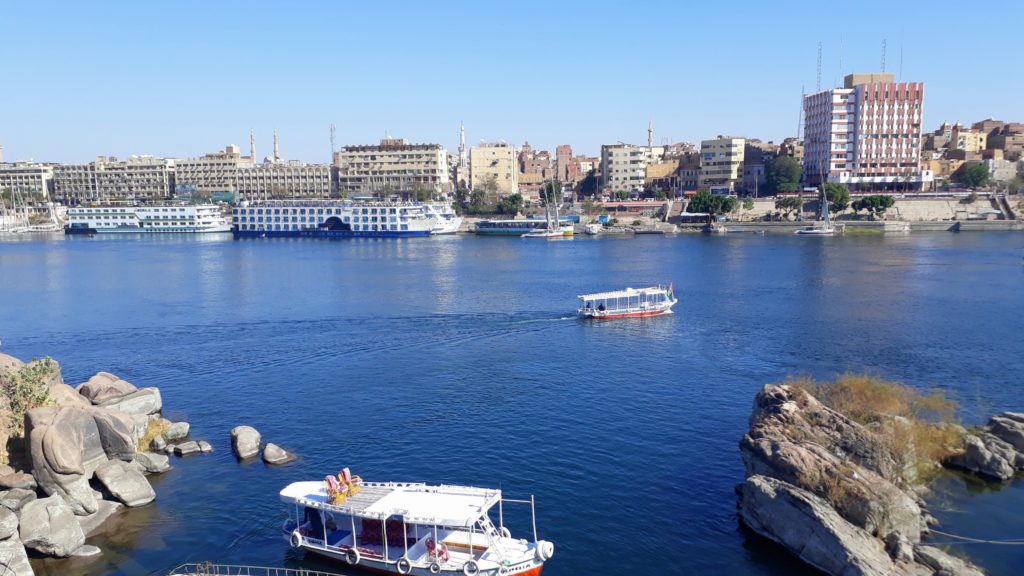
x=81 y=79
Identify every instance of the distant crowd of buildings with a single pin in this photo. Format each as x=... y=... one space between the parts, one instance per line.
x=866 y=134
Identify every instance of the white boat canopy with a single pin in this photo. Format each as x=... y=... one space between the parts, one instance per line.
x=627 y=293
x=454 y=506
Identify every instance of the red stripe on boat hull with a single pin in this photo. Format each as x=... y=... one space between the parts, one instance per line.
x=631 y=315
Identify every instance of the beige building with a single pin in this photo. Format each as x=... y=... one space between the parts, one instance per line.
x=113 y=179
x=624 y=166
x=721 y=163
x=393 y=167
x=291 y=179
x=27 y=179
x=210 y=174
x=494 y=164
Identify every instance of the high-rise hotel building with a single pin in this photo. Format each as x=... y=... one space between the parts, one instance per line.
x=868 y=132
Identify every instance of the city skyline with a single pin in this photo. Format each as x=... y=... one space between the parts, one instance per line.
x=196 y=78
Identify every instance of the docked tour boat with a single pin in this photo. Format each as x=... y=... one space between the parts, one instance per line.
x=409 y=528
x=126 y=218
x=628 y=303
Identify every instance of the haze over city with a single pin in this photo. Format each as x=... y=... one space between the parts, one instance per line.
x=181 y=80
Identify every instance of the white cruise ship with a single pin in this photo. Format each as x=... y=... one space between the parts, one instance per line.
x=156 y=218
x=313 y=218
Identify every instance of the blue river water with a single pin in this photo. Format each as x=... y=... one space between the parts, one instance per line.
x=458 y=360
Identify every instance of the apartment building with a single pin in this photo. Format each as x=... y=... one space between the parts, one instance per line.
x=867 y=132
x=392 y=167
x=494 y=164
x=624 y=166
x=721 y=163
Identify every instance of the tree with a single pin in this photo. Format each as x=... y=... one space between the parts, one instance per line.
x=838 y=196
x=511 y=205
x=877 y=204
x=588 y=186
x=789 y=203
x=711 y=204
x=622 y=195
x=783 y=175
x=972 y=175
x=1015 y=185
x=748 y=204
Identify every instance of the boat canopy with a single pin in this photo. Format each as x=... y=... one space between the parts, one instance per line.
x=454 y=506
x=627 y=293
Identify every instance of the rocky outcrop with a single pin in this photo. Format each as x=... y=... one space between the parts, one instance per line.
x=48 y=526
x=829 y=489
x=274 y=454
x=245 y=441
x=144 y=401
x=798 y=440
x=8 y=524
x=94 y=521
x=104 y=386
x=996 y=451
x=17 y=480
x=14 y=500
x=68 y=444
x=809 y=527
x=13 y=559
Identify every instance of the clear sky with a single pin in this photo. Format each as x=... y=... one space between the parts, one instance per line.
x=182 y=78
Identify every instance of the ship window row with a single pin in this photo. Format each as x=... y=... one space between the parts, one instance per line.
x=356 y=227
x=311 y=219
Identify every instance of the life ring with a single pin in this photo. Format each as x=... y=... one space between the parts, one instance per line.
x=471 y=568
x=505 y=532
x=296 y=539
x=403 y=565
x=545 y=550
x=352 y=556
x=435 y=568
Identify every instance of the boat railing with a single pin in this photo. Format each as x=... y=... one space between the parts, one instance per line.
x=210 y=569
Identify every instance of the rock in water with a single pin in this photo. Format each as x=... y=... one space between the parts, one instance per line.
x=8 y=524
x=13 y=560
x=245 y=441
x=153 y=463
x=205 y=447
x=274 y=454
x=176 y=431
x=808 y=526
x=944 y=564
x=104 y=386
x=186 y=448
x=94 y=521
x=49 y=527
x=125 y=483
x=158 y=444
x=86 y=551
x=1008 y=428
x=978 y=458
x=142 y=401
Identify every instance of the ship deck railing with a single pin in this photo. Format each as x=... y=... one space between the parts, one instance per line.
x=210 y=569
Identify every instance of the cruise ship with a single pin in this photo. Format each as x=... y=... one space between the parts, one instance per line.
x=155 y=218
x=333 y=219
x=446 y=221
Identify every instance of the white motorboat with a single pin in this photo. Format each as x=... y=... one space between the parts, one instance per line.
x=593 y=229
x=410 y=528
x=628 y=303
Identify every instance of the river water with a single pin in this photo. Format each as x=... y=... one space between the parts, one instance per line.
x=457 y=360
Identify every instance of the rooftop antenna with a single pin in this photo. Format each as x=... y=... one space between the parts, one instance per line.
x=883 y=54
x=252 y=146
x=462 y=144
x=900 y=77
x=840 y=60
x=818 y=89
x=277 y=156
